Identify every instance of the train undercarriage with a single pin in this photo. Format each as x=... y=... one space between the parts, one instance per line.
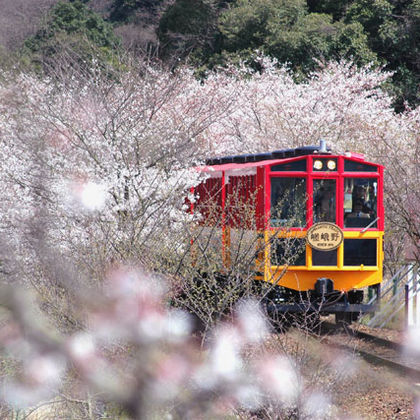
x=322 y=301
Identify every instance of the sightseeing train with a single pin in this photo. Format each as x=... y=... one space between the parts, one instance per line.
x=318 y=218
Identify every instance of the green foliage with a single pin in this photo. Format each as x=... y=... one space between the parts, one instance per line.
x=71 y=27
x=336 y=8
x=352 y=43
x=311 y=37
x=124 y=10
x=210 y=33
x=187 y=17
x=393 y=30
x=300 y=33
x=248 y=23
x=370 y=14
x=186 y=26
x=405 y=58
x=287 y=31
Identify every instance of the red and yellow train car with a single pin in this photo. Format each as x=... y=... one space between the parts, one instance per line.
x=319 y=218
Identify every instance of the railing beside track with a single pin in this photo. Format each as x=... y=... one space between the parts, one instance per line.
x=402 y=291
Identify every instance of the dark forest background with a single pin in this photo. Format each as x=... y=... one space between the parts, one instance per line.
x=304 y=34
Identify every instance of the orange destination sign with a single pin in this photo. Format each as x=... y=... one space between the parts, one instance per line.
x=324 y=236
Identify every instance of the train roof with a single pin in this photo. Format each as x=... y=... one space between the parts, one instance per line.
x=251 y=161
x=274 y=155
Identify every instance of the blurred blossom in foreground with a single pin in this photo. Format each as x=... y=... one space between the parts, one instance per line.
x=91 y=195
x=225 y=358
x=317 y=406
x=138 y=352
x=45 y=370
x=250 y=327
x=129 y=282
x=178 y=325
x=279 y=378
x=133 y=307
x=412 y=340
x=251 y=321
x=345 y=365
x=39 y=380
x=172 y=373
x=417 y=409
x=249 y=396
x=135 y=310
x=82 y=350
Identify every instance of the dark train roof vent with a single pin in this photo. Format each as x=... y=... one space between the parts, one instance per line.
x=262 y=156
x=278 y=154
x=289 y=153
x=307 y=150
x=239 y=159
x=249 y=158
x=226 y=159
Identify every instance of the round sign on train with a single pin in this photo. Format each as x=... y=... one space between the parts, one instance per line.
x=324 y=236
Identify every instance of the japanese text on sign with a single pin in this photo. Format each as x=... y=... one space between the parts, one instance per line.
x=325 y=236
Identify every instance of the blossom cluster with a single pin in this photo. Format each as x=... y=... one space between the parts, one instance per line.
x=95 y=155
x=95 y=172
x=164 y=368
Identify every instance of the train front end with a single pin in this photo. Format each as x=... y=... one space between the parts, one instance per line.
x=320 y=220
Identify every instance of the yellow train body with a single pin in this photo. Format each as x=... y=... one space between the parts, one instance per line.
x=326 y=209
x=302 y=278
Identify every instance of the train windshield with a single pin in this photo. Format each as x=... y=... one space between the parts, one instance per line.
x=324 y=200
x=288 y=202
x=360 y=202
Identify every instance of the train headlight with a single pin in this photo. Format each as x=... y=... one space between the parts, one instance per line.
x=318 y=164
x=331 y=165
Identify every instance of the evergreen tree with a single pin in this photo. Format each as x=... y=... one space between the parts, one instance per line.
x=286 y=30
x=189 y=26
x=125 y=10
x=71 y=28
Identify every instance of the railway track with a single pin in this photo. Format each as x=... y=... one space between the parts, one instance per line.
x=374 y=350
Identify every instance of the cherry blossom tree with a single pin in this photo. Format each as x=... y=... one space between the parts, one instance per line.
x=122 y=149
x=130 y=143
x=345 y=106
x=140 y=355
x=94 y=173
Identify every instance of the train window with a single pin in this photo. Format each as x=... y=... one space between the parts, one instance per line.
x=352 y=166
x=359 y=251
x=288 y=251
x=297 y=165
x=288 y=202
x=324 y=257
x=324 y=200
x=360 y=202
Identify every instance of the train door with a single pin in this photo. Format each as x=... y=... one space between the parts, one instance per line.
x=324 y=209
x=324 y=196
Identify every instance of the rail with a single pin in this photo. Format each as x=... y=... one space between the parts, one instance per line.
x=375 y=350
